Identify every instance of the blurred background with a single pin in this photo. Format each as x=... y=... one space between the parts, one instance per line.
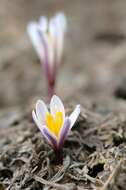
x=94 y=55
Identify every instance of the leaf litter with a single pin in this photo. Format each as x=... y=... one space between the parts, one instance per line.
x=94 y=155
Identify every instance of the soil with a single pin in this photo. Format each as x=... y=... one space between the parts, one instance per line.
x=93 y=74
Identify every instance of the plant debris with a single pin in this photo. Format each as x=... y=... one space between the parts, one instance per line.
x=94 y=155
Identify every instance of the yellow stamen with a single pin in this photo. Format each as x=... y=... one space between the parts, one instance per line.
x=50 y=121
x=54 y=124
x=58 y=122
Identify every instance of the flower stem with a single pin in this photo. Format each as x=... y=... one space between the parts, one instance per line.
x=51 y=89
x=59 y=156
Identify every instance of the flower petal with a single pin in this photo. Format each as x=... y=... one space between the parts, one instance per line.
x=33 y=31
x=56 y=105
x=49 y=137
x=53 y=34
x=74 y=115
x=61 y=25
x=61 y=20
x=50 y=52
x=35 y=119
x=59 y=46
x=41 y=111
x=43 y=21
x=64 y=132
x=45 y=132
x=52 y=27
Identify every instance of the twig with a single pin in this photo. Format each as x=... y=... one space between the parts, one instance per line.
x=69 y=186
x=112 y=175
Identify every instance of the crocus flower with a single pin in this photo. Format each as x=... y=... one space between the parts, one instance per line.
x=53 y=124
x=48 y=40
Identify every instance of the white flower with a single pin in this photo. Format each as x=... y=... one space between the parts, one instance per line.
x=54 y=125
x=48 y=40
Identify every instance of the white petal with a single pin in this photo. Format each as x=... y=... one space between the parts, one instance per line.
x=50 y=52
x=36 y=119
x=74 y=115
x=53 y=28
x=61 y=20
x=59 y=47
x=48 y=43
x=41 y=111
x=45 y=132
x=56 y=105
x=48 y=46
x=61 y=25
x=33 y=31
x=43 y=22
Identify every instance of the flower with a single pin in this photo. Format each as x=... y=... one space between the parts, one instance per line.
x=48 y=40
x=54 y=125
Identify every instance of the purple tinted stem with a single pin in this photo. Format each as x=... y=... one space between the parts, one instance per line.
x=52 y=81
x=59 y=156
x=51 y=88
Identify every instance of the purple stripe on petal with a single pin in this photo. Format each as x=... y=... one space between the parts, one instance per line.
x=41 y=35
x=50 y=137
x=44 y=39
x=64 y=132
